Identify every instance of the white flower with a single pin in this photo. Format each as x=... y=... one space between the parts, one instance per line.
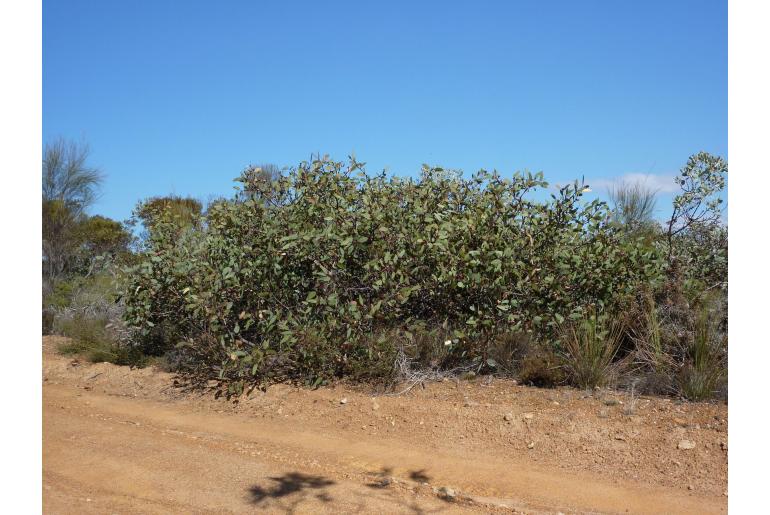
x=447 y=343
x=587 y=190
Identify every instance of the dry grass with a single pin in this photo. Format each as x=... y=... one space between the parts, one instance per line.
x=591 y=346
x=704 y=372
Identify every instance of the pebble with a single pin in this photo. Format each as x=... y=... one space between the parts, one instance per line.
x=508 y=417
x=531 y=445
x=529 y=416
x=344 y=400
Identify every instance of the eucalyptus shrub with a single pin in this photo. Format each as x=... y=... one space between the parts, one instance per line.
x=327 y=271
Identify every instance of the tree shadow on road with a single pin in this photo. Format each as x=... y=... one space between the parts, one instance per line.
x=383 y=477
x=294 y=490
x=289 y=485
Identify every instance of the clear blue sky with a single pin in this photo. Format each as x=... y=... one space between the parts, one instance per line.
x=180 y=96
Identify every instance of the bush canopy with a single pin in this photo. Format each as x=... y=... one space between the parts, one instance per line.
x=331 y=271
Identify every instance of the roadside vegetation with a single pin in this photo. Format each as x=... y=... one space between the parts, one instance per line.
x=325 y=272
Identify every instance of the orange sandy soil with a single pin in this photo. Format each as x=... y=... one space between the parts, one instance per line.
x=117 y=440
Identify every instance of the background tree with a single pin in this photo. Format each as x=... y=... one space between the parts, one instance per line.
x=698 y=205
x=183 y=212
x=70 y=186
x=260 y=182
x=633 y=206
x=100 y=237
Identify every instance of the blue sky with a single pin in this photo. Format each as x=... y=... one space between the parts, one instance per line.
x=177 y=97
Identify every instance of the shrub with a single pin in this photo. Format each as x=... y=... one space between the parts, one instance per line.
x=92 y=339
x=293 y=286
x=93 y=319
x=541 y=367
x=506 y=350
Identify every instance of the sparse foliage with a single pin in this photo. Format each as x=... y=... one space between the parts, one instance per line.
x=699 y=204
x=634 y=206
x=67 y=176
x=70 y=186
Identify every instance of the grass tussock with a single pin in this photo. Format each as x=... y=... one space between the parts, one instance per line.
x=590 y=348
x=704 y=373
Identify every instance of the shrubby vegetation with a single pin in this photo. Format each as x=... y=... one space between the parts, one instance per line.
x=326 y=272
x=81 y=256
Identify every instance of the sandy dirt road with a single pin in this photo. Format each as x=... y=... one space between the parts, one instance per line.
x=119 y=441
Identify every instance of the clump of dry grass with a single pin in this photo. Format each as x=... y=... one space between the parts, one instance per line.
x=652 y=356
x=590 y=348
x=705 y=367
x=682 y=350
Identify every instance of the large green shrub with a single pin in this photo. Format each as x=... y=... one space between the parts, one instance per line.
x=333 y=271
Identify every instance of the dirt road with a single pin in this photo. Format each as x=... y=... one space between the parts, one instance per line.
x=123 y=441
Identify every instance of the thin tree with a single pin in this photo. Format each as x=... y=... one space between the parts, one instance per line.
x=633 y=205
x=698 y=204
x=70 y=187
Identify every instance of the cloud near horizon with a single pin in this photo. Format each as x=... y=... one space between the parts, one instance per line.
x=659 y=183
